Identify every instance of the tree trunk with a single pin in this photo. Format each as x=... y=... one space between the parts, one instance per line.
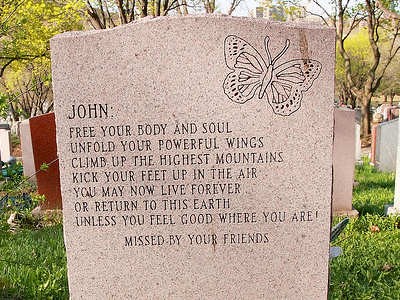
x=365 y=115
x=392 y=94
x=353 y=102
x=184 y=8
x=143 y=8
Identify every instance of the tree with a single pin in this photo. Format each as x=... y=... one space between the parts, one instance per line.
x=27 y=25
x=28 y=89
x=26 y=28
x=390 y=85
x=283 y=10
x=357 y=46
x=381 y=31
x=110 y=13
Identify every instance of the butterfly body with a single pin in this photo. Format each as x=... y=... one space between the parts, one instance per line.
x=251 y=75
x=265 y=81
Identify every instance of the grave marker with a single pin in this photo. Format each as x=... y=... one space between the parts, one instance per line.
x=38 y=141
x=343 y=162
x=394 y=209
x=5 y=145
x=196 y=158
x=386 y=134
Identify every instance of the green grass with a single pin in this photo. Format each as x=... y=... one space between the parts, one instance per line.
x=369 y=267
x=33 y=263
x=374 y=190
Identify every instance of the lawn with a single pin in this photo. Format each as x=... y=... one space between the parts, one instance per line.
x=370 y=265
x=33 y=263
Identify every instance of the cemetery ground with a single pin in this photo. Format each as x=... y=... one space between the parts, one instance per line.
x=33 y=261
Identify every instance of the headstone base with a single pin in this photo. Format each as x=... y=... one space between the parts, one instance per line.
x=390 y=210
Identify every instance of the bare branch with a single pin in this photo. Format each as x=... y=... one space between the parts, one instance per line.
x=346 y=5
x=319 y=16
x=322 y=8
x=392 y=53
x=94 y=15
x=390 y=14
x=233 y=6
x=12 y=13
x=4 y=66
x=121 y=12
x=354 y=24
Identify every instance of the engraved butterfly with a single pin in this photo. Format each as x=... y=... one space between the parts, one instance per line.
x=283 y=85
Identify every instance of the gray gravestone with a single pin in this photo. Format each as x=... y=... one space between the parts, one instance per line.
x=196 y=158
x=386 y=145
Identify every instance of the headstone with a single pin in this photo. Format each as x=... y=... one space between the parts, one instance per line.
x=196 y=158
x=394 y=209
x=343 y=161
x=386 y=146
x=38 y=141
x=358 y=142
x=28 y=159
x=5 y=145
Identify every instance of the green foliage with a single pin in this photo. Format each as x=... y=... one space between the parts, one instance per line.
x=44 y=167
x=15 y=140
x=28 y=25
x=26 y=28
x=369 y=267
x=3 y=106
x=12 y=171
x=18 y=195
x=359 y=50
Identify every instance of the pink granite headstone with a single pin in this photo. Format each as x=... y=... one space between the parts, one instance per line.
x=344 y=148
x=196 y=158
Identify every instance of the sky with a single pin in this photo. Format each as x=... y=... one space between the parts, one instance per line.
x=247 y=6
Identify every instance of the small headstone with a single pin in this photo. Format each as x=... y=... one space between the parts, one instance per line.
x=344 y=147
x=196 y=158
x=27 y=150
x=386 y=145
x=5 y=145
x=38 y=141
x=394 y=209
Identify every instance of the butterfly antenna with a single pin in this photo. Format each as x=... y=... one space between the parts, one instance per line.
x=266 y=42
x=282 y=52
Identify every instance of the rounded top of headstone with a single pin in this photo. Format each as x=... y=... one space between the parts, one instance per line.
x=151 y=19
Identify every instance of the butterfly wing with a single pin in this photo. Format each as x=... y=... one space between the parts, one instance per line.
x=247 y=68
x=288 y=83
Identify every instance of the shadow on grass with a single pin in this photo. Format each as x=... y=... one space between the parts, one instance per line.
x=371 y=185
x=8 y=293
